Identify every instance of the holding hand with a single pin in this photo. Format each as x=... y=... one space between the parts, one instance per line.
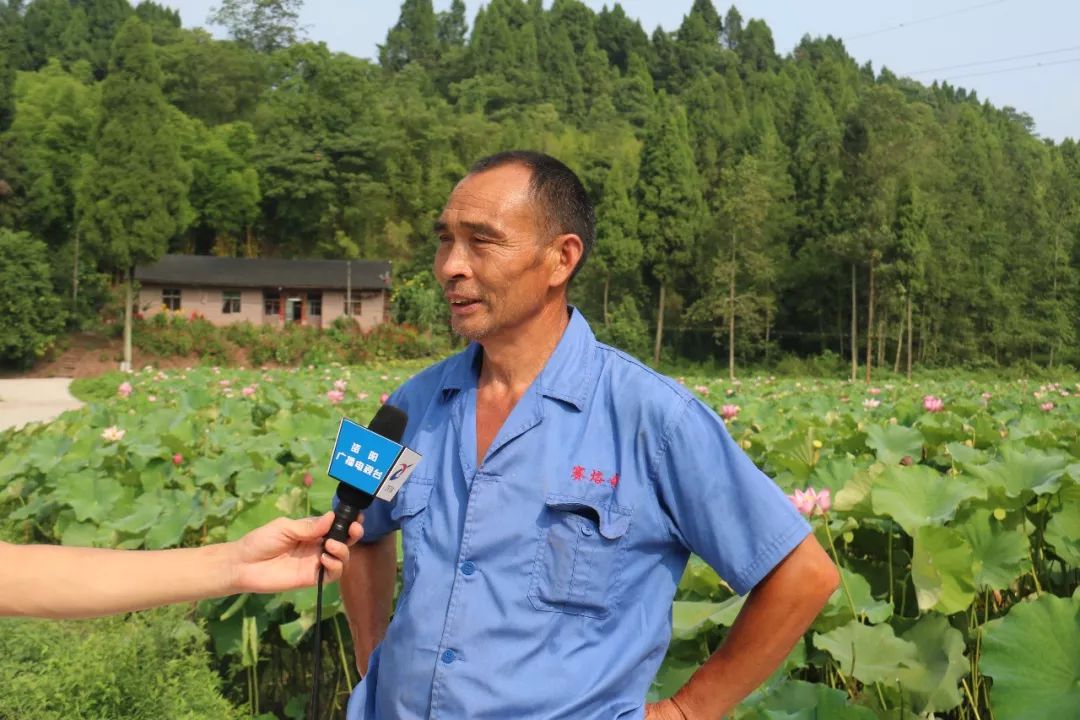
x=285 y=554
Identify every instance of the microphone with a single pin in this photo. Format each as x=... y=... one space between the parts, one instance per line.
x=389 y=423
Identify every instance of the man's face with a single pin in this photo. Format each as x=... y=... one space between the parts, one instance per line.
x=495 y=268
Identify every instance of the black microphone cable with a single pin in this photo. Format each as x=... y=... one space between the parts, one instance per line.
x=389 y=422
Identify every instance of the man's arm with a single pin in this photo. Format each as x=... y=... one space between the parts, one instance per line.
x=776 y=614
x=53 y=581
x=367 y=589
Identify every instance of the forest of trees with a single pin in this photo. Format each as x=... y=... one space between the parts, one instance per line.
x=750 y=205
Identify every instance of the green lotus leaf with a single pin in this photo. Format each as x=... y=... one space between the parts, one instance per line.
x=1024 y=470
x=837 y=610
x=919 y=496
x=689 y=617
x=933 y=683
x=870 y=653
x=941 y=569
x=1033 y=656
x=1000 y=548
x=90 y=495
x=1063 y=529
x=893 y=443
x=800 y=700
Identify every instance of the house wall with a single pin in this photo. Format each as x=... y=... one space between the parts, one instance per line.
x=208 y=302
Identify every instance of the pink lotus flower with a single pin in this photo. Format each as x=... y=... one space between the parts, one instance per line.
x=384 y=397
x=124 y=390
x=875 y=391
x=112 y=434
x=870 y=403
x=152 y=398
x=308 y=479
x=932 y=404
x=701 y=389
x=728 y=412
x=810 y=502
x=340 y=385
x=361 y=396
x=335 y=396
x=1046 y=406
x=248 y=391
x=177 y=459
x=224 y=383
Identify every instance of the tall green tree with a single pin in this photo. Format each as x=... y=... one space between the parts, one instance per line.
x=669 y=201
x=134 y=196
x=265 y=25
x=414 y=38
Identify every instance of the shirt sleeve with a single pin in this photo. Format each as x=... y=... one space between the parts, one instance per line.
x=721 y=506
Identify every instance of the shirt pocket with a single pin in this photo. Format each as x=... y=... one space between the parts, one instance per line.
x=410 y=512
x=579 y=556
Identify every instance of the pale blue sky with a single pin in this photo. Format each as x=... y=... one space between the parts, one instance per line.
x=935 y=34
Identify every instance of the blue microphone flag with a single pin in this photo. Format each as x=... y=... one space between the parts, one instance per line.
x=369 y=462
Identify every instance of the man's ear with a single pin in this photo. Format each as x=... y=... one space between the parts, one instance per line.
x=567 y=250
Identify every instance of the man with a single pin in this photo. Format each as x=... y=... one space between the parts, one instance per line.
x=563 y=486
x=281 y=555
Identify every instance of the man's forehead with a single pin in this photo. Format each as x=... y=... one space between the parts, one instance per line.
x=501 y=194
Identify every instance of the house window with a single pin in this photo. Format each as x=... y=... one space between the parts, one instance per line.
x=314 y=300
x=355 y=309
x=271 y=302
x=230 y=301
x=170 y=298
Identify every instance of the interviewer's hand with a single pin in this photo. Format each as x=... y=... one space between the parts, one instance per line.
x=663 y=710
x=285 y=554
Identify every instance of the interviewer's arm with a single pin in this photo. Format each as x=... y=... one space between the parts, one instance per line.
x=777 y=612
x=367 y=589
x=52 y=581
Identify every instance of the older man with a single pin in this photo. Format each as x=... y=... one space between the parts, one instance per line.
x=563 y=487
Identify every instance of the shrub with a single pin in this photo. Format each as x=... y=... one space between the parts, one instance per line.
x=626 y=329
x=33 y=315
x=145 y=666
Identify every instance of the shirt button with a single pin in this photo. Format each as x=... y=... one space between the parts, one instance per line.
x=468 y=567
x=448 y=657
x=586 y=529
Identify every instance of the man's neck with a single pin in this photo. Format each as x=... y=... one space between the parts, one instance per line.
x=514 y=359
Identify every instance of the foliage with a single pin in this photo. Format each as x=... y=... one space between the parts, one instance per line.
x=32 y=315
x=917 y=215
x=955 y=529
x=148 y=665
x=180 y=334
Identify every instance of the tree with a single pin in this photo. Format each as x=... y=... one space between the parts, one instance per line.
x=669 y=201
x=414 y=38
x=33 y=315
x=9 y=26
x=265 y=25
x=133 y=199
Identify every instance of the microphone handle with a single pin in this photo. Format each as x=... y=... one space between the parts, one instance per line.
x=344 y=516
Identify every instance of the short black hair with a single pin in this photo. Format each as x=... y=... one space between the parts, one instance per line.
x=566 y=205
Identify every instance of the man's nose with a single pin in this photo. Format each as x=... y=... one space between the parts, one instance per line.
x=452 y=260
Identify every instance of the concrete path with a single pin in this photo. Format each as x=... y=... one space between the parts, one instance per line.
x=34 y=399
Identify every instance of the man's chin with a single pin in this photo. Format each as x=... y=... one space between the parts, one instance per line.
x=468 y=328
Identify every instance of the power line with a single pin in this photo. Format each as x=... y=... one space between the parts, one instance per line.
x=991 y=62
x=918 y=21
x=1013 y=69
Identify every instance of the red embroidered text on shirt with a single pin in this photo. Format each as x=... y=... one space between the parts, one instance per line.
x=596 y=476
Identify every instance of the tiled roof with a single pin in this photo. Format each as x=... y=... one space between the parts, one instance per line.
x=207 y=270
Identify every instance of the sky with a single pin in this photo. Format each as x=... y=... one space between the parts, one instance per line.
x=923 y=39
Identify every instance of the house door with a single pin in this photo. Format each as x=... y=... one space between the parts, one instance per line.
x=294 y=309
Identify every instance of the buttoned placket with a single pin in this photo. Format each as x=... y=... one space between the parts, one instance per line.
x=463 y=416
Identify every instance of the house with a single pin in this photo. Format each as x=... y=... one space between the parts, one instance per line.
x=266 y=291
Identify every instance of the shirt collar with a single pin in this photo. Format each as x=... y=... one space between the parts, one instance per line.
x=566 y=376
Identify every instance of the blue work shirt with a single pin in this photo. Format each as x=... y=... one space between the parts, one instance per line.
x=538 y=580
